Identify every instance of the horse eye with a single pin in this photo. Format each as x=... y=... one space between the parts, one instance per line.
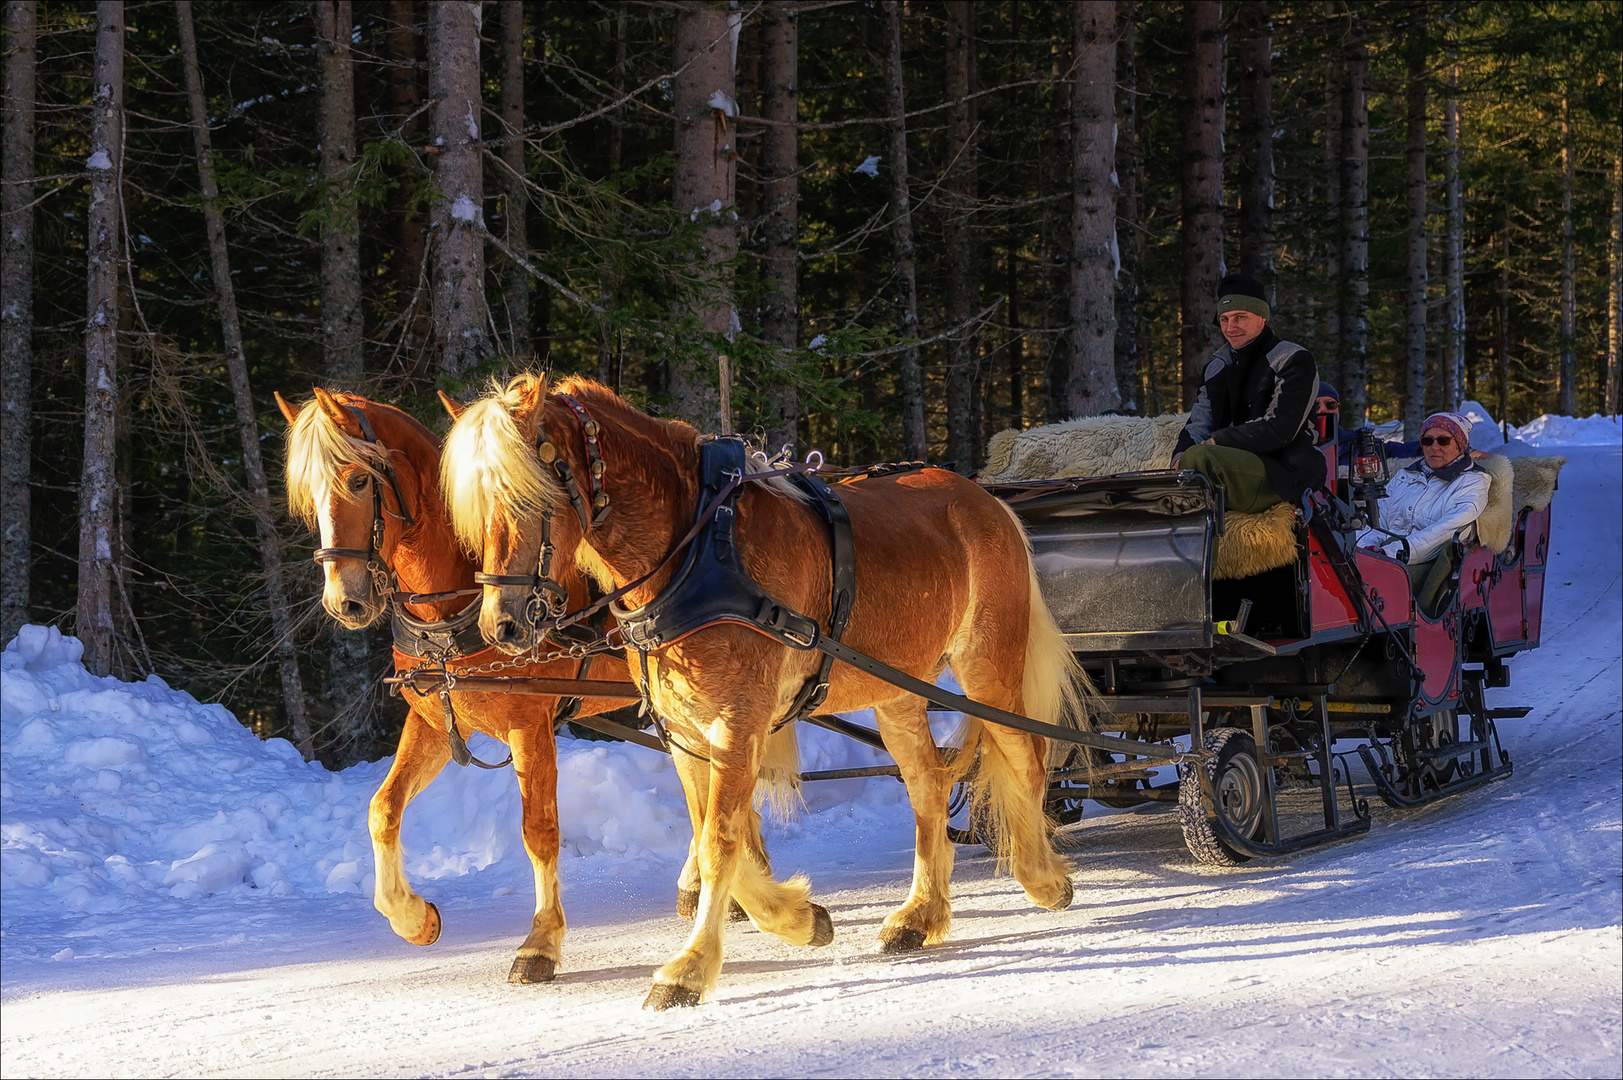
x=358 y=482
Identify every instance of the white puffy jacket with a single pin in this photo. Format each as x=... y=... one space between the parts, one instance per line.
x=1426 y=510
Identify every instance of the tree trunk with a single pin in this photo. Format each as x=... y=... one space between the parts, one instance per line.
x=1093 y=211
x=1454 y=250
x=1414 y=388
x=1614 y=292
x=405 y=97
x=704 y=186
x=17 y=316
x=1567 y=381
x=342 y=317
x=1335 y=88
x=515 y=215
x=1354 y=314
x=780 y=248
x=1200 y=232
x=347 y=684
x=1056 y=234
x=98 y=495
x=456 y=214
x=270 y=548
x=1504 y=312
x=1256 y=143
x=1017 y=338
x=959 y=195
x=1129 y=205
x=901 y=240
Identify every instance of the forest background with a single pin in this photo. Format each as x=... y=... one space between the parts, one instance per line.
x=885 y=230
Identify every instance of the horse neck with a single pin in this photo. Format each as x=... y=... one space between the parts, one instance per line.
x=426 y=558
x=652 y=482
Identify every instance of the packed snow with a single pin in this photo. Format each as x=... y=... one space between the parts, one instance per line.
x=182 y=897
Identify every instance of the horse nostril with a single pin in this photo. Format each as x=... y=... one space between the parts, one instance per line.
x=353 y=609
x=506 y=631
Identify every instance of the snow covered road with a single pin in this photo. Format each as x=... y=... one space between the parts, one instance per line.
x=1480 y=936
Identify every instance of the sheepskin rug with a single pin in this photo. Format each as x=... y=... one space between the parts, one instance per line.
x=1518 y=484
x=1090 y=446
x=1105 y=445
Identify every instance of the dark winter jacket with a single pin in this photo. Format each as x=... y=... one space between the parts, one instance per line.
x=1261 y=399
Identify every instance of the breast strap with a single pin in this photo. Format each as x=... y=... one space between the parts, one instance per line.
x=449 y=639
x=712 y=586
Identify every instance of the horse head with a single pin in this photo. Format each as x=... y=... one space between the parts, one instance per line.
x=343 y=481
x=518 y=468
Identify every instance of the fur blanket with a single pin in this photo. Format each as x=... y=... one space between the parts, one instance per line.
x=1090 y=446
x=1104 y=445
x=1518 y=484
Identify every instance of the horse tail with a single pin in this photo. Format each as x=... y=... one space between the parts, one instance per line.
x=777 y=789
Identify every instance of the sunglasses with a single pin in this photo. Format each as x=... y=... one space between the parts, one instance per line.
x=1437 y=440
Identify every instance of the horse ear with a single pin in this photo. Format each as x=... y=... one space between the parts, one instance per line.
x=452 y=405
x=337 y=412
x=536 y=396
x=290 y=412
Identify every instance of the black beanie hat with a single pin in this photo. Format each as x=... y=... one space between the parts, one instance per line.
x=1241 y=292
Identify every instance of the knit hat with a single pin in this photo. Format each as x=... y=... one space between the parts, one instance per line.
x=1241 y=292
x=1454 y=424
x=1326 y=390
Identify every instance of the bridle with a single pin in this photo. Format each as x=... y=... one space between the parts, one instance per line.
x=379 y=573
x=547 y=597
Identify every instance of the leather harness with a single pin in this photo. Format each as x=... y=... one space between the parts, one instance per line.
x=712 y=586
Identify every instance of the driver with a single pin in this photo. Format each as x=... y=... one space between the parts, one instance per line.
x=1250 y=427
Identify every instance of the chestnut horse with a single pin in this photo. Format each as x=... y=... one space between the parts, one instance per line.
x=332 y=467
x=943 y=575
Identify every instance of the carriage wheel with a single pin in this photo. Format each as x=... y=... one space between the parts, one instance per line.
x=1236 y=779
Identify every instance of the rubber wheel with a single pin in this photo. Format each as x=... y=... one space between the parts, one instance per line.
x=1236 y=778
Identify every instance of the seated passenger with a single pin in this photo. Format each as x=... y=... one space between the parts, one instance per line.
x=1429 y=502
x=1330 y=402
x=1250 y=428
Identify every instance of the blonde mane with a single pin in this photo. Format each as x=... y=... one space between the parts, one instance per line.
x=318 y=451
x=489 y=466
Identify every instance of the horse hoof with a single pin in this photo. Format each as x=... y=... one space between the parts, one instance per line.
x=1064 y=900
x=822 y=925
x=666 y=996
x=533 y=969
x=687 y=906
x=431 y=928
x=900 y=939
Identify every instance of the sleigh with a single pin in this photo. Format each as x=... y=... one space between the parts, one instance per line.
x=1298 y=661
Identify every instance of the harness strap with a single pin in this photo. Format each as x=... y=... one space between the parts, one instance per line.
x=459 y=746
x=842 y=594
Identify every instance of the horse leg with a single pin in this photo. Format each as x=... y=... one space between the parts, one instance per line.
x=535 y=760
x=724 y=863
x=926 y=916
x=423 y=752
x=687 y=884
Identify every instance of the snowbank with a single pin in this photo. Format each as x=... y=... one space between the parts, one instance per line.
x=1550 y=430
x=113 y=791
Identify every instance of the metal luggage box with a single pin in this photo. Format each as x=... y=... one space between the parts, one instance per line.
x=1125 y=561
